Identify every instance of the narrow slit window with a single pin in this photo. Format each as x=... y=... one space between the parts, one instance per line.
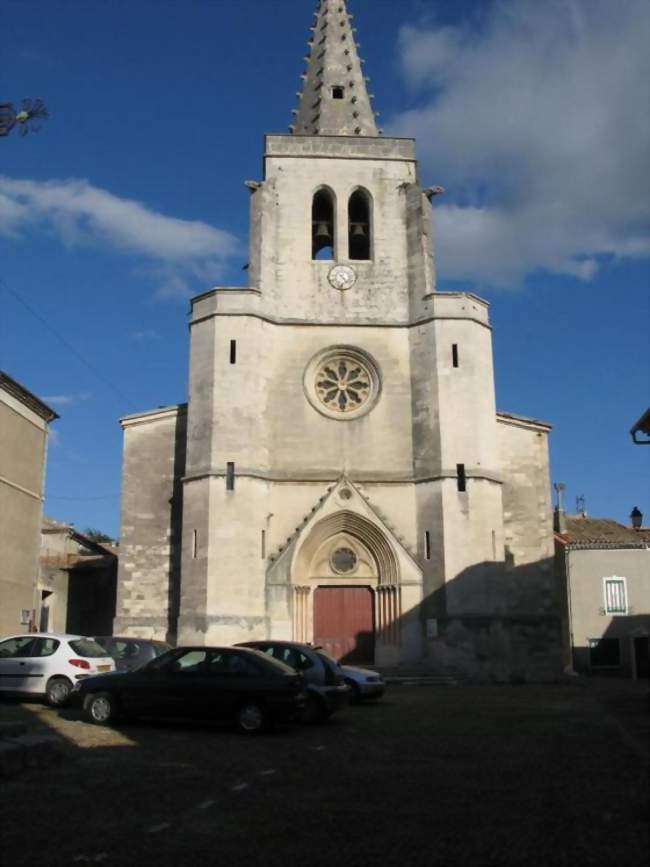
x=427 y=545
x=233 y=351
x=230 y=476
x=359 y=226
x=263 y=544
x=461 y=480
x=194 y=544
x=322 y=225
x=338 y=91
x=454 y=354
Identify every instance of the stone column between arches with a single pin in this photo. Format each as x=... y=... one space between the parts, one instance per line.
x=301 y=604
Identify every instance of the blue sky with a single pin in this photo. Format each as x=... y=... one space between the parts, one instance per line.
x=130 y=199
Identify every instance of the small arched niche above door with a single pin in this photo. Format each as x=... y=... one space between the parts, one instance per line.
x=343 y=556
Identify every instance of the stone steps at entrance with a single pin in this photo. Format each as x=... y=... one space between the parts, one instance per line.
x=423 y=677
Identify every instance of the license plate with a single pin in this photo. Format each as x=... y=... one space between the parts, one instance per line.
x=103 y=668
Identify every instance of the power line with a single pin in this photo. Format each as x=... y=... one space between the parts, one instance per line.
x=85 y=499
x=68 y=346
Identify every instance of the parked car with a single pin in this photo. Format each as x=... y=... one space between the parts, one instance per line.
x=363 y=683
x=131 y=653
x=327 y=692
x=46 y=663
x=215 y=683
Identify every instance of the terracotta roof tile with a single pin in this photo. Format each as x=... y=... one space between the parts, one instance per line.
x=601 y=531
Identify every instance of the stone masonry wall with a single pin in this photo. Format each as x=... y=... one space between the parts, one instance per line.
x=149 y=564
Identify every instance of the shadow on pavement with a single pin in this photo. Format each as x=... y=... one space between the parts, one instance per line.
x=470 y=775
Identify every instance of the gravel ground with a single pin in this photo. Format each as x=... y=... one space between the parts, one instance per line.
x=476 y=775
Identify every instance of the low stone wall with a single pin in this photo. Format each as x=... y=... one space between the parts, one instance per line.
x=508 y=649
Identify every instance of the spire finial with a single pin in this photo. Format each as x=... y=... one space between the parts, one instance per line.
x=334 y=78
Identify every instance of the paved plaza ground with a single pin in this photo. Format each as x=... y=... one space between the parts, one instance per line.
x=449 y=775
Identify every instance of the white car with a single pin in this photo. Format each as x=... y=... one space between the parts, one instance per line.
x=44 y=663
x=363 y=683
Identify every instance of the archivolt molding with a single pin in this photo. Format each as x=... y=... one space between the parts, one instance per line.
x=368 y=534
x=344 y=512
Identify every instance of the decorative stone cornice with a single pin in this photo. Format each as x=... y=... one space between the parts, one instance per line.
x=153 y=415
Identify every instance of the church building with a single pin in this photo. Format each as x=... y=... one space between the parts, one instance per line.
x=340 y=474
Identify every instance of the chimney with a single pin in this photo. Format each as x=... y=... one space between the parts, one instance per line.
x=559 y=515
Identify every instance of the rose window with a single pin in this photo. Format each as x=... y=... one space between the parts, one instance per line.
x=343 y=384
x=344 y=560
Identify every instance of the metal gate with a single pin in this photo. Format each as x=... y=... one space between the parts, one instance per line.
x=344 y=623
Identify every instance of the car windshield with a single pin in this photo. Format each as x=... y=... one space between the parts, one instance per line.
x=162 y=660
x=159 y=648
x=326 y=656
x=272 y=662
x=87 y=647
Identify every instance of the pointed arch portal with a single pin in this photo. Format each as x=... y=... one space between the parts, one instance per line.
x=346 y=588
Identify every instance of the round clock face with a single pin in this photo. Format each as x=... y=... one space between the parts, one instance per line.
x=342 y=277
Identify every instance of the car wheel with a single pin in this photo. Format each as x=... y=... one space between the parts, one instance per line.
x=58 y=691
x=100 y=708
x=313 y=712
x=355 y=692
x=252 y=718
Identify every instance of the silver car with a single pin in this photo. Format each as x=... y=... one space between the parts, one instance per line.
x=131 y=653
x=49 y=664
x=325 y=685
x=363 y=683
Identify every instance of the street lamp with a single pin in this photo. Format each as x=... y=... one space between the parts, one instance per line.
x=32 y=110
x=641 y=430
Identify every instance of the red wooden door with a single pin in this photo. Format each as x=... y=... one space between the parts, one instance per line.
x=344 y=623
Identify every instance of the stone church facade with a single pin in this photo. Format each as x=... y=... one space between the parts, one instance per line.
x=340 y=473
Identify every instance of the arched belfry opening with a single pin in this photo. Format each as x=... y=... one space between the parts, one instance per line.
x=360 y=225
x=322 y=224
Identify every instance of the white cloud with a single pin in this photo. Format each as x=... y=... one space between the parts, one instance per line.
x=145 y=334
x=535 y=119
x=66 y=399
x=79 y=213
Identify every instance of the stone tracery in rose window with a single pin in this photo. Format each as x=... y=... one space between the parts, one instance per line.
x=343 y=384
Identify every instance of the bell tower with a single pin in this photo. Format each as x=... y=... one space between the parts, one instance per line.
x=343 y=368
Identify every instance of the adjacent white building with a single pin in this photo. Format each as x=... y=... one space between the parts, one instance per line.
x=340 y=473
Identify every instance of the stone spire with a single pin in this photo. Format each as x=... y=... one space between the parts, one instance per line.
x=334 y=99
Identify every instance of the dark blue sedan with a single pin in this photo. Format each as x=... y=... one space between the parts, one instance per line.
x=224 y=684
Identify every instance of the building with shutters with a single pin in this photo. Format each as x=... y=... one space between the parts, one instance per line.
x=604 y=569
x=340 y=473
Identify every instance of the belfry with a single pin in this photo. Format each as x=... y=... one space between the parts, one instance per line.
x=340 y=474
